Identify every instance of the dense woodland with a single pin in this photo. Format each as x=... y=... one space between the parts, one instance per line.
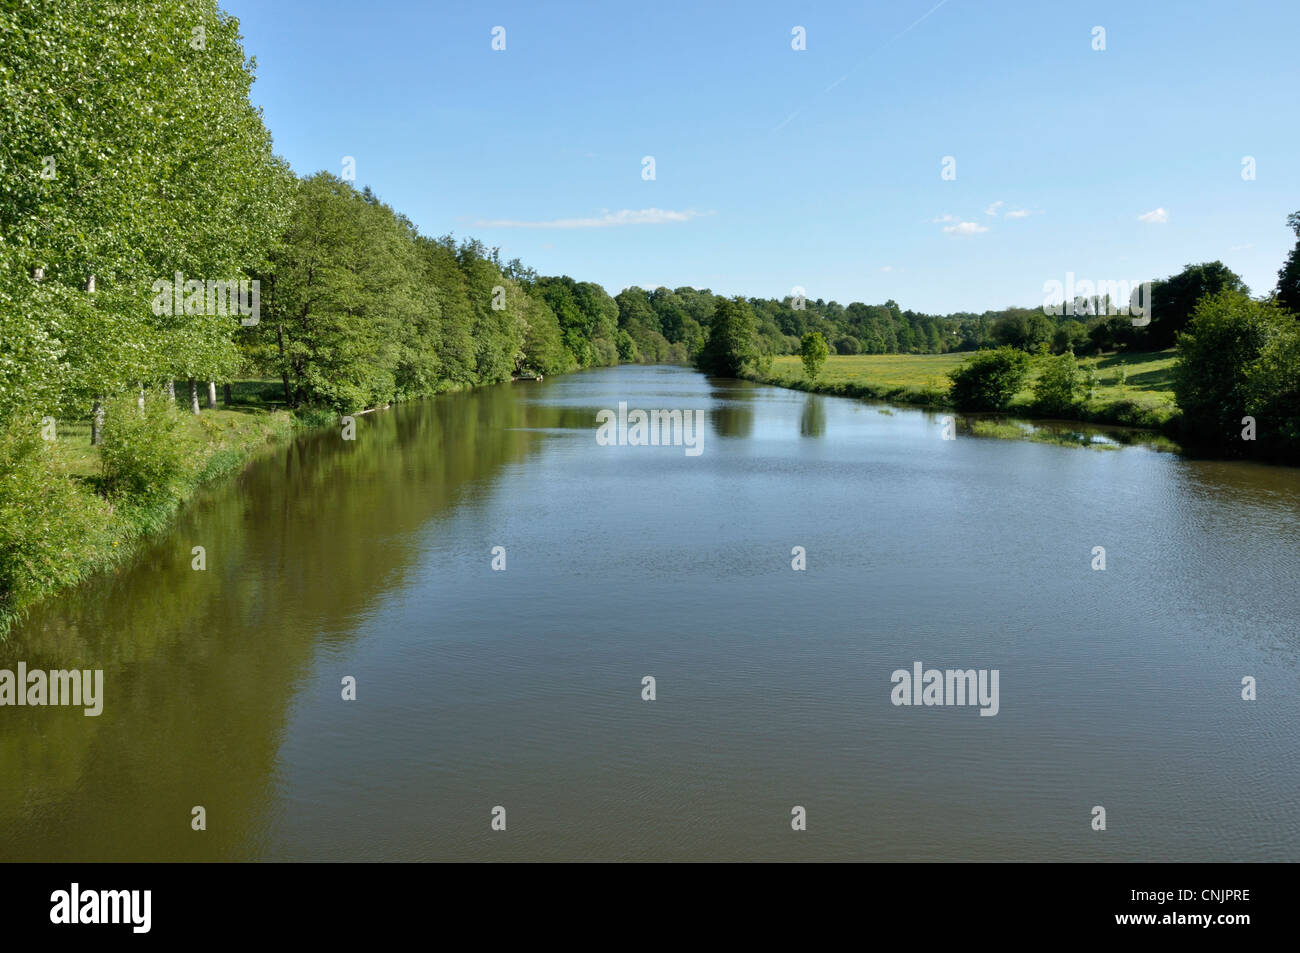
x=130 y=154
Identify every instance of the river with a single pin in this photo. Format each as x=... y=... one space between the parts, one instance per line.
x=479 y=688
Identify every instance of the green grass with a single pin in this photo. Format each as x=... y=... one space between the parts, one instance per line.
x=228 y=434
x=96 y=532
x=913 y=371
x=1133 y=390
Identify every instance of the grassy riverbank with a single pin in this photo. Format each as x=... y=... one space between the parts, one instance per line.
x=1131 y=390
x=69 y=513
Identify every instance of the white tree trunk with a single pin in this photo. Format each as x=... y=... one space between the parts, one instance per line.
x=194 y=395
x=96 y=423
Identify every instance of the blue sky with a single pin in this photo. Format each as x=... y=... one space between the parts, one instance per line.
x=818 y=168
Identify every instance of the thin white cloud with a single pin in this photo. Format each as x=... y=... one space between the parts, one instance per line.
x=944 y=218
x=645 y=216
x=1242 y=247
x=1154 y=217
x=1019 y=213
x=965 y=228
x=868 y=59
x=887 y=268
x=992 y=210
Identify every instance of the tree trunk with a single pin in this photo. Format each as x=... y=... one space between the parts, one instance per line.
x=227 y=389
x=284 y=370
x=97 y=423
x=194 y=395
x=212 y=395
x=171 y=391
x=139 y=401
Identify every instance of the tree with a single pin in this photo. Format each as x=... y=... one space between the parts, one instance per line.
x=988 y=380
x=1174 y=299
x=543 y=347
x=129 y=154
x=1239 y=358
x=1028 y=330
x=1273 y=394
x=1288 y=279
x=1070 y=335
x=732 y=347
x=813 y=352
x=847 y=344
x=1058 y=388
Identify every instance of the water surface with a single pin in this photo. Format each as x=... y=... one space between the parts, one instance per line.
x=522 y=688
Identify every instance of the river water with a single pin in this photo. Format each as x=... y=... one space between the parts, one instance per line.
x=522 y=689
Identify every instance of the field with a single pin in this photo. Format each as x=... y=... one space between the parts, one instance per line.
x=1130 y=389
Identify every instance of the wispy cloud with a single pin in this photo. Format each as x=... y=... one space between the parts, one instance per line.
x=1018 y=213
x=1154 y=217
x=965 y=228
x=993 y=209
x=607 y=219
x=1242 y=247
x=871 y=57
x=944 y=218
x=887 y=268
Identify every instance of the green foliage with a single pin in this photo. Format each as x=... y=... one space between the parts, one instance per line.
x=1288 y=278
x=1069 y=336
x=813 y=352
x=1058 y=388
x=544 y=349
x=148 y=455
x=1174 y=299
x=989 y=379
x=732 y=346
x=1026 y=329
x=313 y=417
x=127 y=154
x=52 y=529
x=1240 y=358
x=627 y=349
x=1273 y=394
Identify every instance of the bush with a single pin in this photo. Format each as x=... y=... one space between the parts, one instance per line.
x=1273 y=395
x=988 y=380
x=1240 y=358
x=313 y=416
x=53 y=531
x=1058 y=388
x=148 y=455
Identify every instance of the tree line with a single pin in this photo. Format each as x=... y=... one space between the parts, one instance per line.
x=138 y=187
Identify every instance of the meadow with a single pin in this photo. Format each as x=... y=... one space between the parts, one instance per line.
x=1134 y=390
